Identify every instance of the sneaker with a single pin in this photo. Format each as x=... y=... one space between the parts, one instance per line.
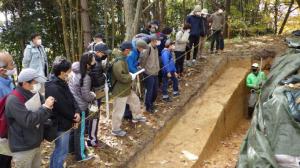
x=167 y=99
x=194 y=62
x=119 y=133
x=139 y=119
x=176 y=94
x=88 y=157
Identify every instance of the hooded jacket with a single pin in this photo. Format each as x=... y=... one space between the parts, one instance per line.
x=82 y=94
x=197 y=27
x=25 y=128
x=168 y=61
x=65 y=107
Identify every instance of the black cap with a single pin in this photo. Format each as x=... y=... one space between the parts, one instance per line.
x=98 y=35
x=126 y=45
x=102 y=48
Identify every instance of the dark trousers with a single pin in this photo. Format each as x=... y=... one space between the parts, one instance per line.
x=5 y=161
x=194 y=41
x=222 y=44
x=77 y=143
x=216 y=36
x=180 y=56
x=151 y=84
x=92 y=128
x=166 y=84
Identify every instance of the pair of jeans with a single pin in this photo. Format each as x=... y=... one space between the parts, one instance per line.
x=151 y=86
x=194 y=41
x=216 y=37
x=180 y=56
x=61 y=150
x=166 y=84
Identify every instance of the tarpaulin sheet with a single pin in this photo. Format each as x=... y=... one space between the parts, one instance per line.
x=273 y=129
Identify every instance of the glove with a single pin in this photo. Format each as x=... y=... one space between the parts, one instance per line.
x=133 y=76
x=93 y=94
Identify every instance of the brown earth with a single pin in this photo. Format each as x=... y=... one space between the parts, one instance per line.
x=120 y=151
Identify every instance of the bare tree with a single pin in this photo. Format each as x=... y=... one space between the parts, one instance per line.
x=132 y=17
x=287 y=16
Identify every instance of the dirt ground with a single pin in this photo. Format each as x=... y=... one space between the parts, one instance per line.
x=119 y=150
x=228 y=149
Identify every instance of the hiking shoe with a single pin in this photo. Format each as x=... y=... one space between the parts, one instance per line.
x=167 y=99
x=119 y=133
x=139 y=119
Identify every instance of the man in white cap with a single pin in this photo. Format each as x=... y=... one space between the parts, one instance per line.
x=25 y=127
x=254 y=82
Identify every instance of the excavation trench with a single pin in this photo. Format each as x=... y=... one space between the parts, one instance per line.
x=190 y=138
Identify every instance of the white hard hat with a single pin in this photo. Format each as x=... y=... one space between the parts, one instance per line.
x=256 y=65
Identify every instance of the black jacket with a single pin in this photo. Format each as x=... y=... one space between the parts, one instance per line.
x=197 y=27
x=65 y=106
x=25 y=128
x=97 y=75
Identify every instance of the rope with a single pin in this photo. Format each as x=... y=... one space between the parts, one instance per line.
x=91 y=115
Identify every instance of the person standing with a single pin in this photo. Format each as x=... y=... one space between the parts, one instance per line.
x=7 y=69
x=25 y=127
x=182 y=39
x=35 y=56
x=122 y=92
x=169 y=71
x=65 y=110
x=81 y=87
x=254 y=82
x=197 y=30
x=98 y=39
x=98 y=79
x=150 y=62
x=217 y=27
x=204 y=15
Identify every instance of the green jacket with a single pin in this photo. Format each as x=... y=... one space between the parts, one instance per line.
x=120 y=74
x=253 y=81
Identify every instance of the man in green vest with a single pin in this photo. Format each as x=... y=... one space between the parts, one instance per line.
x=254 y=82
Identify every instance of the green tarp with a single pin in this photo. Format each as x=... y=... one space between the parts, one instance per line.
x=273 y=130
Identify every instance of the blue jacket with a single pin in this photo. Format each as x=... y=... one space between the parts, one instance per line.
x=6 y=86
x=197 y=25
x=132 y=59
x=167 y=61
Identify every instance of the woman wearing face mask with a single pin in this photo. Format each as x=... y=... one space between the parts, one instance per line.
x=81 y=85
x=65 y=110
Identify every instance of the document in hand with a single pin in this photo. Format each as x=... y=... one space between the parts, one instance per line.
x=34 y=103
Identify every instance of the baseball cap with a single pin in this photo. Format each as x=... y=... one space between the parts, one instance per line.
x=126 y=45
x=153 y=37
x=102 y=48
x=255 y=65
x=141 y=43
x=29 y=74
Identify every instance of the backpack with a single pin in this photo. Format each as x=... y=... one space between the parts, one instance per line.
x=109 y=75
x=3 y=120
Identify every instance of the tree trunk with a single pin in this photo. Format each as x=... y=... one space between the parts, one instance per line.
x=276 y=10
x=85 y=22
x=227 y=14
x=128 y=7
x=163 y=11
x=79 y=31
x=71 y=31
x=64 y=26
x=298 y=1
x=132 y=20
x=286 y=17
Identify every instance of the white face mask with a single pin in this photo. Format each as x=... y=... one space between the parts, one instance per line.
x=10 y=72
x=198 y=13
x=220 y=11
x=39 y=42
x=158 y=43
x=36 y=88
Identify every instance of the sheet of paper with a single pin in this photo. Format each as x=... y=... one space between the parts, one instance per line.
x=139 y=72
x=34 y=103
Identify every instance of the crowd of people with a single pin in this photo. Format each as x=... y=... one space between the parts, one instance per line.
x=47 y=105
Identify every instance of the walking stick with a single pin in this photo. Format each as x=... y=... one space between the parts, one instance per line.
x=106 y=89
